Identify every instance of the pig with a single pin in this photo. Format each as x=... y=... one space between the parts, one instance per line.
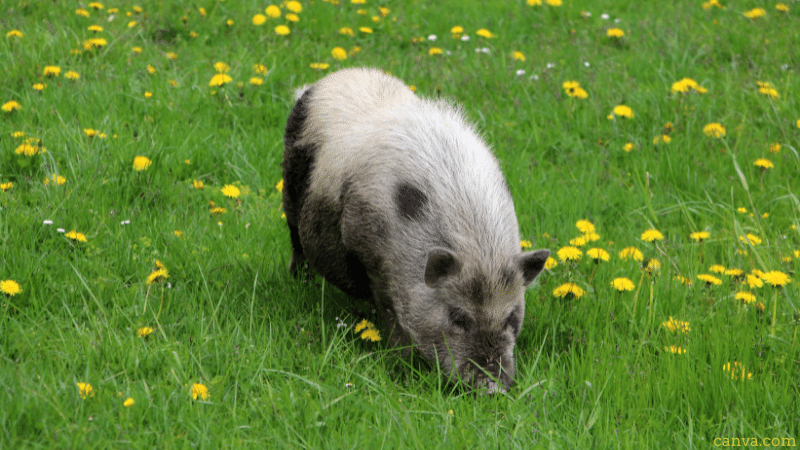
x=395 y=198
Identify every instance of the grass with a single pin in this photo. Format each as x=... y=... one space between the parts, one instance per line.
x=279 y=358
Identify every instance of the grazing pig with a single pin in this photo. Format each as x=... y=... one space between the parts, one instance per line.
x=395 y=198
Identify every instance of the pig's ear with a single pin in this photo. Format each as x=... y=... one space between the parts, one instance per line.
x=442 y=264
x=531 y=263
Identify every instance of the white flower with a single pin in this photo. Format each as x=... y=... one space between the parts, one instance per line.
x=586 y=64
x=47 y=222
x=432 y=37
x=534 y=77
x=604 y=16
x=551 y=65
x=617 y=20
x=60 y=230
x=520 y=72
x=784 y=67
x=349 y=385
x=465 y=38
x=125 y=222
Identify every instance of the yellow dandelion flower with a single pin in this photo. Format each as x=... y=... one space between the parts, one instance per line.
x=141 y=163
x=676 y=325
x=774 y=147
x=14 y=33
x=746 y=297
x=569 y=253
x=347 y=31
x=157 y=275
x=282 y=30
x=776 y=278
x=85 y=390
x=484 y=33
x=220 y=79
x=94 y=43
x=57 y=180
x=292 y=17
x=525 y=244
x=628 y=147
x=755 y=13
x=95 y=28
x=366 y=30
x=75 y=236
x=764 y=163
x=435 y=51
x=371 y=334
x=319 y=66
x=700 y=235
x=221 y=67
x=128 y=403
x=652 y=235
x=72 y=75
x=579 y=241
x=143 y=332
x=717 y=268
x=584 y=226
x=533 y=2
x=598 y=254
x=198 y=184
x=260 y=69
x=294 y=6
x=27 y=149
x=39 y=86
x=674 y=349
x=11 y=106
x=551 y=263
x=519 y=56
x=754 y=281
x=199 y=390
x=147 y=94
x=10 y=287
x=782 y=7
x=458 y=29
x=709 y=279
x=256 y=81
x=687 y=85
x=653 y=265
x=623 y=111
x=82 y=12
x=750 y=238
x=339 y=54
x=568 y=290
x=591 y=236
x=714 y=130
x=736 y=273
x=766 y=88
x=622 y=284
x=737 y=371
x=631 y=252
x=684 y=280
x=6 y=186
x=231 y=191
x=259 y=19
x=136 y=49
x=615 y=33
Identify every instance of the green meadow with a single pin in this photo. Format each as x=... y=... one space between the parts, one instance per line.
x=145 y=298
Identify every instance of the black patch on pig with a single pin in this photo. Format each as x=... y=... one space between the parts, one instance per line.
x=410 y=201
x=321 y=237
x=477 y=290
x=298 y=162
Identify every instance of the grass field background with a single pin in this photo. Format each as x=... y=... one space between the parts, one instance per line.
x=153 y=307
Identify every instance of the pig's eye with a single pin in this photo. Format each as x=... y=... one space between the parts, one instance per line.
x=460 y=318
x=513 y=322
